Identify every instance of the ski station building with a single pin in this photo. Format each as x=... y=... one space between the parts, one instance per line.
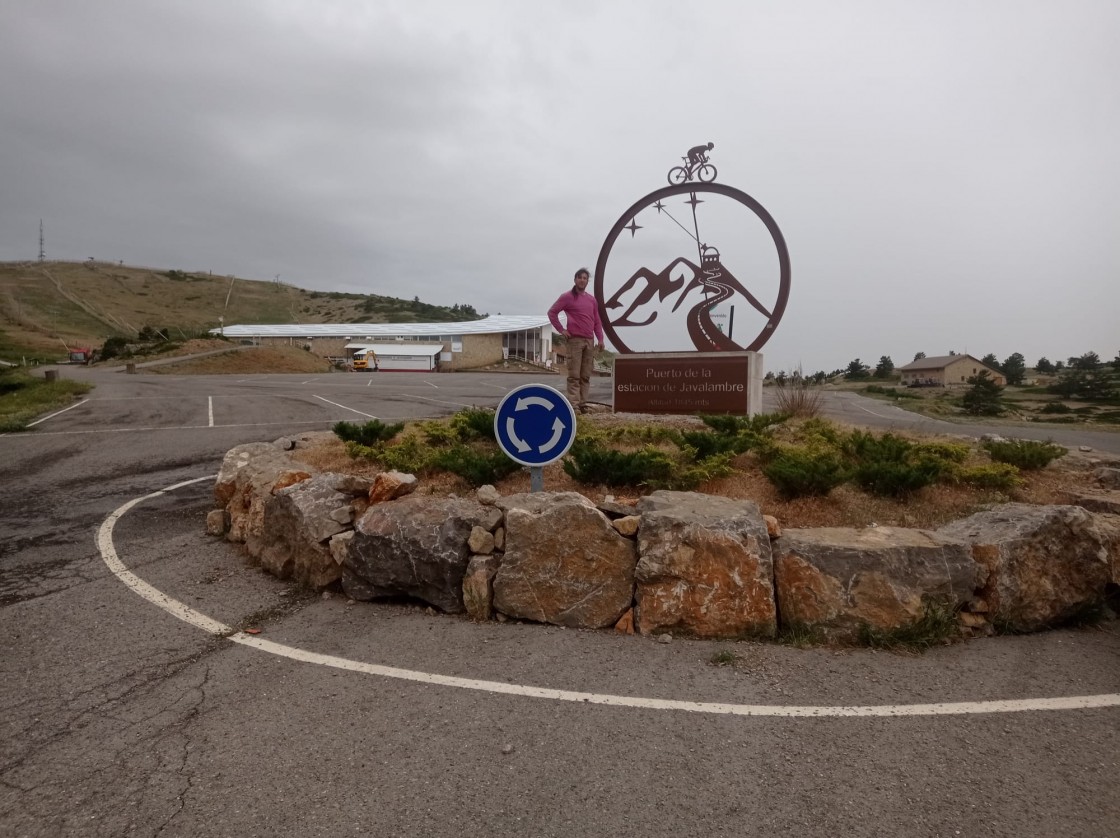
x=413 y=346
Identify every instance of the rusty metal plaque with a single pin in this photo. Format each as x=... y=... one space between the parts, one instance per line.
x=683 y=383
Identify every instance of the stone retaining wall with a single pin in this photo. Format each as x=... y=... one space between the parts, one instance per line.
x=678 y=562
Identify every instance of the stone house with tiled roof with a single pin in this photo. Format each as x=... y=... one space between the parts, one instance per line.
x=946 y=371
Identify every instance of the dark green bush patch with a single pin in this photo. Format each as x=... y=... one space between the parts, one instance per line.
x=592 y=464
x=1026 y=454
x=368 y=434
x=799 y=472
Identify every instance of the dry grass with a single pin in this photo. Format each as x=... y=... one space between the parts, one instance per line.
x=845 y=506
x=247 y=361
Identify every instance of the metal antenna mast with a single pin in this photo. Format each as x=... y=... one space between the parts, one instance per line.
x=42 y=250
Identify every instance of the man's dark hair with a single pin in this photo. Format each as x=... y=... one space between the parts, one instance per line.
x=582 y=271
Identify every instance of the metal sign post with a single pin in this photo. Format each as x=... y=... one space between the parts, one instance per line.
x=535 y=425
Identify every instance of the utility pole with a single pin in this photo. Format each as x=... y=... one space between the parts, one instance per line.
x=42 y=249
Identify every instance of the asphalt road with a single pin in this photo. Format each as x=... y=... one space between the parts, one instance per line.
x=121 y=719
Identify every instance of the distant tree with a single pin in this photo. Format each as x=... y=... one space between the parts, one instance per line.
x=1088 y=384
x=919 y=355
x=952 y=352
x=1043 y=365
x=982 y=398
x=885 y=367
x=1116 y=362
x=1059 y=366
x=819 y=376
x=856 y=371
x=990 y=360
x=781 y=377
x=1088 y=361
x=769 y=376
x=1014 y=368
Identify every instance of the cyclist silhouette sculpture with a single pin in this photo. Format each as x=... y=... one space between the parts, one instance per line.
x=695 y=164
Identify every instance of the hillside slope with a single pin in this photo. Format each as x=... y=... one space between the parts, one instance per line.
x=47 y=306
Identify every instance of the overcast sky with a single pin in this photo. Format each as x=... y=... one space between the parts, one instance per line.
x=946 y=174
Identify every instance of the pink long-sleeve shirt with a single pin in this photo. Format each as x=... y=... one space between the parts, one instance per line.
x=582 y=312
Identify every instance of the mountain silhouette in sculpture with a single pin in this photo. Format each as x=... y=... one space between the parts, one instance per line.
x=714 y=282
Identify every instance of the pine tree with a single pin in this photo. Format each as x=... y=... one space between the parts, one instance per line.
x=983 y=397
x=1014 y=368
x=885 y=367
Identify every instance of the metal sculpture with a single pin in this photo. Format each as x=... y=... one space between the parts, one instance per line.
x=695 y=163
x=704 y=283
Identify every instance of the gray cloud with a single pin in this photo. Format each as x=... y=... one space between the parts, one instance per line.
x=945 y=174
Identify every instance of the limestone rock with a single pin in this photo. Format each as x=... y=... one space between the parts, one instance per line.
x=773 y=528
x=487 y=495
x=390 y=485
x=838 y=579
x=564 y=564
x=351 y=484
x=478 y=587
x=246 y=478
x=298 y=522
x=705 y=567
x=625 y=624
x=339 y=546
x=1109 y=478
x=481 y=541
x=1108 y=502
x=537 y=502
x=500 y=538
x=217 y=522
x=627 y=526
x=1045 y=563
x=415 y=546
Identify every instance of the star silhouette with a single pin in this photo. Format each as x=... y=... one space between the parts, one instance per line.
x=633 y=227
x=694 y=200
x=659 y=206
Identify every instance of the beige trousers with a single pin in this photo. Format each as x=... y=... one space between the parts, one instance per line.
x=581 y=363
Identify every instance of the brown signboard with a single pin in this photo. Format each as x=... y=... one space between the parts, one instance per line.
x=684 y=382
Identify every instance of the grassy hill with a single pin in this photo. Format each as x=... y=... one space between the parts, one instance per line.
x=48 y=306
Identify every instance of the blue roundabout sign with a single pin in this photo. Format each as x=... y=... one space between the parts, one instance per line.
x=535 y=425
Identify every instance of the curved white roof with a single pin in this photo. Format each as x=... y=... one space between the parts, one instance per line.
x=498 y=323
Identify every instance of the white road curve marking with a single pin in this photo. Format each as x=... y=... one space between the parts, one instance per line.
x=344 y=407
x=219 y=629
x=210 y=409
x=57 y=413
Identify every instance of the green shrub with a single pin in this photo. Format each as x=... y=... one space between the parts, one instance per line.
x=946 y=452
x=592 y=464
x=889 y=478
x=1026 y=454
x=1001 y=476
x=799 y=472
x=734 y=425
x=370 y=433
x=474 y=423
x=476 y=467
x=707 y=444
x=862 y=446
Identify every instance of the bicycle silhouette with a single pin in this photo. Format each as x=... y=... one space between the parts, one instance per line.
x=704 y=171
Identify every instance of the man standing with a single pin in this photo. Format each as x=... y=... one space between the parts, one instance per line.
x=582 y=330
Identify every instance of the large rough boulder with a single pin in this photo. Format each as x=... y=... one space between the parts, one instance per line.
x=564 y=563
x=245 y=481
x=298 y=523
x=704 y=567
x=1046 y=564
x=838 y=580
x=415 y=546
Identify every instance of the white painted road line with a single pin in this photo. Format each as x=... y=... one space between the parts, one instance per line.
x=57 y=413
x=344 y=407
x=210 y=409
x=207 y=624
x=430 y=384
